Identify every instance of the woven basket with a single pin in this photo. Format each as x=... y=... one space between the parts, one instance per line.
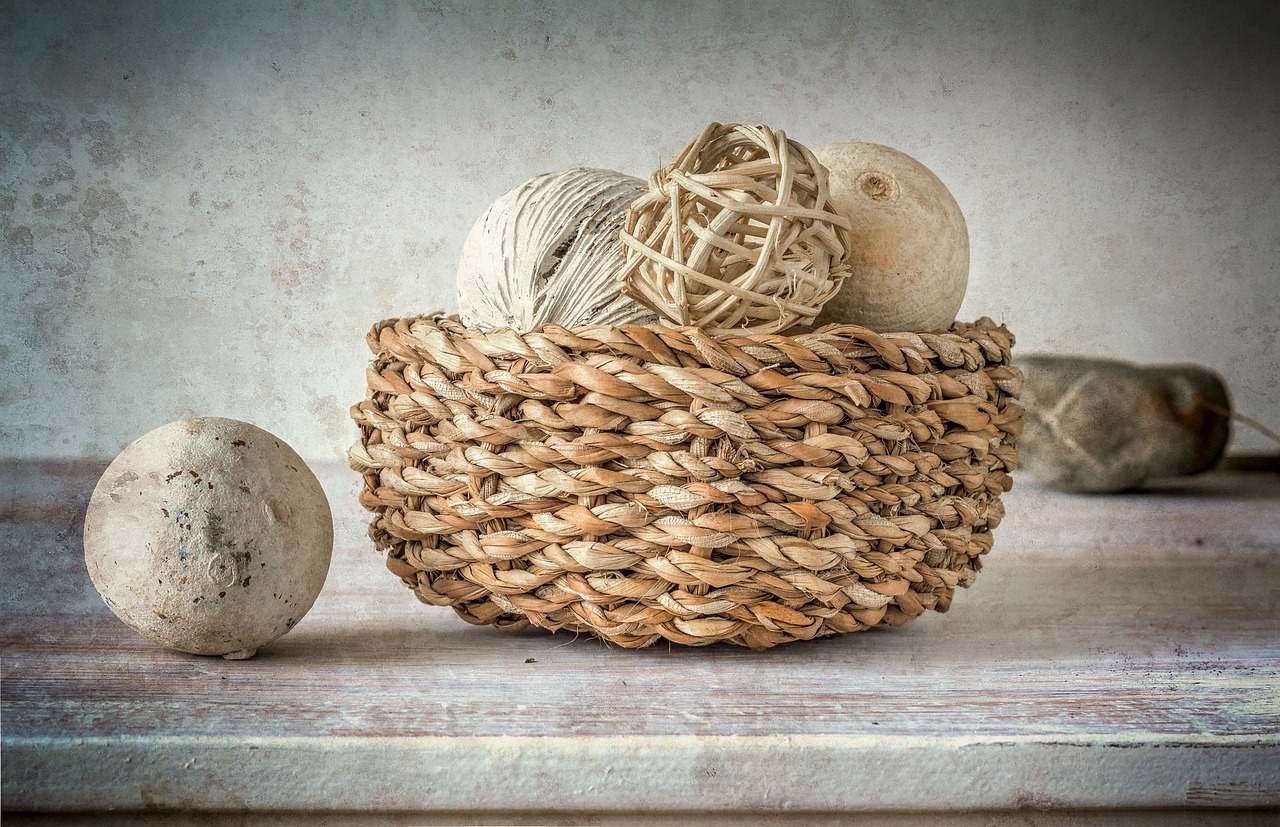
x=641 y=483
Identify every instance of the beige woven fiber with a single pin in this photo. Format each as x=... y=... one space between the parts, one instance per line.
x=737 y=233
x=646 y=482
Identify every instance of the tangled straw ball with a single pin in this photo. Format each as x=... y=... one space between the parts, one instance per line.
x=738 y=233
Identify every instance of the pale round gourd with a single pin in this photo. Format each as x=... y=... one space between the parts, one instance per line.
x=549 y=251
x=209 y=536
x=909 y=252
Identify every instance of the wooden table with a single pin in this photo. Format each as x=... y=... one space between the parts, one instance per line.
x=1116 y=653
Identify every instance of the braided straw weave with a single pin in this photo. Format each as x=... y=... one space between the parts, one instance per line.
x=644 y=482
x=738 y=233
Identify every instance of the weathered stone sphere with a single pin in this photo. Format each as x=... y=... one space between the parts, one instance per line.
x=909 y=250
x=1102 y=425
x=209 y=536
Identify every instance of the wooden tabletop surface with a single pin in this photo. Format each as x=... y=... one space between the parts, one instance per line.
x=1115 y=651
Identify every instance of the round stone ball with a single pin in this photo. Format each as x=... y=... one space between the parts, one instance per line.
x=909 y=256
x=209 y=536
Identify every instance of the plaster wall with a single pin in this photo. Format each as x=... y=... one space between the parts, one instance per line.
x=204 y=206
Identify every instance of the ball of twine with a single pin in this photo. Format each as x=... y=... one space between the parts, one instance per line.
x=737 y=233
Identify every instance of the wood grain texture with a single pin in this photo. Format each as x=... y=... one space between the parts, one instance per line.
x=1129 y=638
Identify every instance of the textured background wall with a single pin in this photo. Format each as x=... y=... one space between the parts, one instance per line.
x=205 y=205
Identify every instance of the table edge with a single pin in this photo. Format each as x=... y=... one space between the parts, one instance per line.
x=647 y=773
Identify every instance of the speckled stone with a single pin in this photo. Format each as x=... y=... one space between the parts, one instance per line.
x=1098 y=425
x=209 y=536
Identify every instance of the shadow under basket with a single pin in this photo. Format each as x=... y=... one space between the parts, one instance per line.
x=645 y=482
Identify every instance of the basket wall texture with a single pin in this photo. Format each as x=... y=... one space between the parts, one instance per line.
x=645 y=482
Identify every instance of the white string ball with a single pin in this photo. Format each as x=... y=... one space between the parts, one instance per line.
x=548 y=252
x=737 y=234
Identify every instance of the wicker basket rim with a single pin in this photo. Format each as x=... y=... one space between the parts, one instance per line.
x=444 y=339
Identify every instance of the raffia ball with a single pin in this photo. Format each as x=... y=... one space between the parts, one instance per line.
x=738 y=233
x=909 y=254
x=548 y=252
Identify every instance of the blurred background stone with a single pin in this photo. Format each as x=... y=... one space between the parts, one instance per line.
x=1103 y=425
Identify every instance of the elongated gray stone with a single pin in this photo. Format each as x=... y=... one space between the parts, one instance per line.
x=1103 y=425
